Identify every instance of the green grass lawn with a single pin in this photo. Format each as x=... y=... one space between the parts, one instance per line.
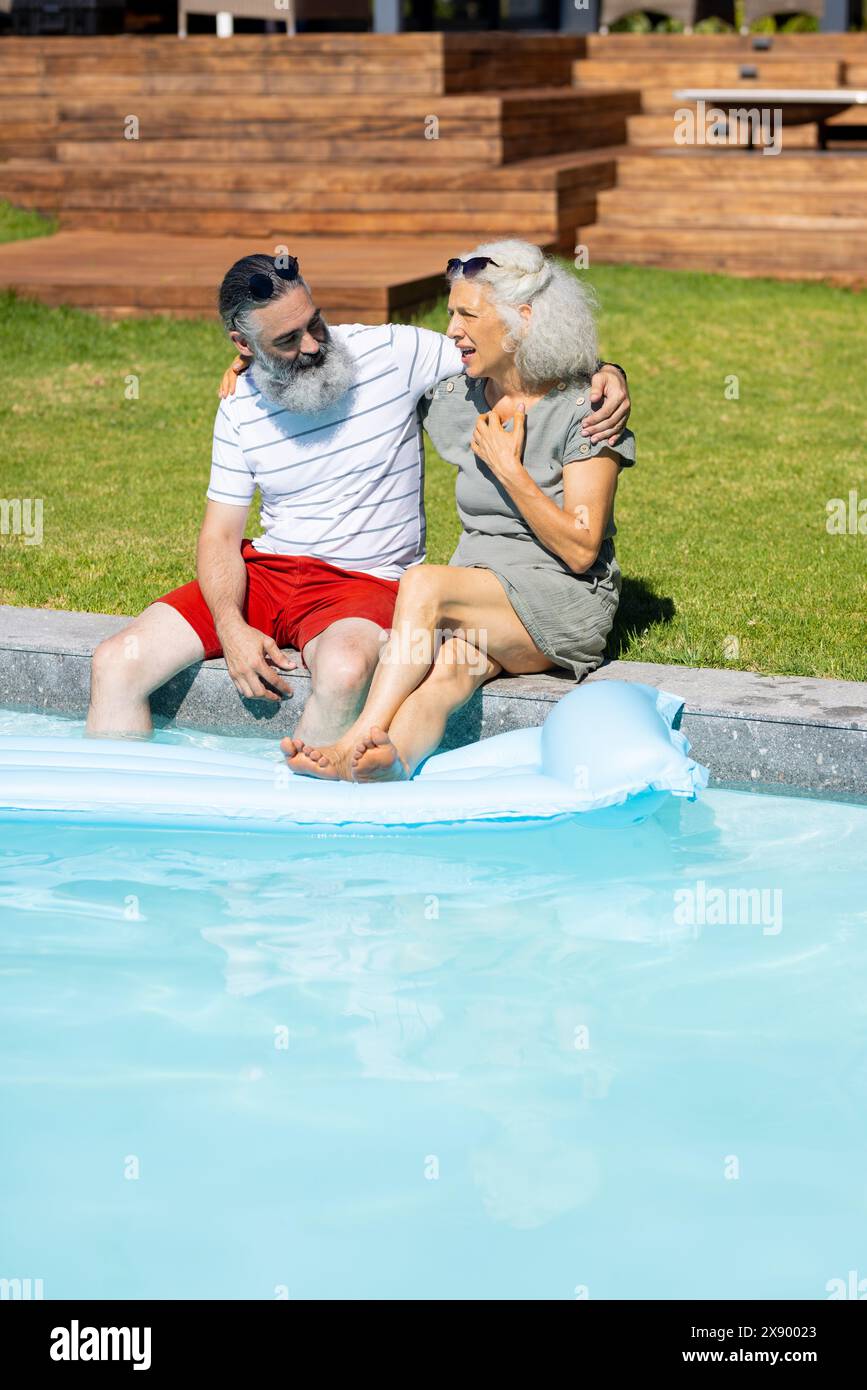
x=722 y=525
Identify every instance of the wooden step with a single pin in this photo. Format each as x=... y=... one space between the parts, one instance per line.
x=133 y=86
x=646 y=72
x=141 y=153
x=177 y=114
x=800 y=254
x=715 y=206
x=272 y=223
x=489 y=151
x=124 y=273
x=293 y=199
x=582 y=171
x=686 y=169
x=495 y=129
x=840 y=47
x=437 y=63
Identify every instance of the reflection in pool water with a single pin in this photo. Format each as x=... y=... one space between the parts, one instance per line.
x=490 y=1063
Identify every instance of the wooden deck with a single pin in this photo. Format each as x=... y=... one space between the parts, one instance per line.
x=380 y=156
x=799 y=214
x=131 y=273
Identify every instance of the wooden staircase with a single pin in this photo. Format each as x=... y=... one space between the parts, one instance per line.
x=432 y=136
x=542 y=199
x=801 y=213
x=660 y=69
x=389 y=153
x=801 y=216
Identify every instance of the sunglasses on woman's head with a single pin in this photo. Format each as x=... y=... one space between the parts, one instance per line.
x=469 y=268
x=262 y=286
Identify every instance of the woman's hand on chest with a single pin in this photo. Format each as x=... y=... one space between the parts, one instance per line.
x=501 y=449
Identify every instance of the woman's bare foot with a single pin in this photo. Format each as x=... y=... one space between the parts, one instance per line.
x=375 y=759
x=325 y=763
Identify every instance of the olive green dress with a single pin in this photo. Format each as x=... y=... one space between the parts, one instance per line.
x=569 y=616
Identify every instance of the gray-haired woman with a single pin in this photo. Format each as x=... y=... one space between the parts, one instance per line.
x=533 y=582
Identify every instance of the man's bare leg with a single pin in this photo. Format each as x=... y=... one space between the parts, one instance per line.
x=128 y=667
x=418 y=727
x=341 y=661
x=158 y=644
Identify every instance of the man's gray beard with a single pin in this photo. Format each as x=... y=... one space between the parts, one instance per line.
x=310 y=384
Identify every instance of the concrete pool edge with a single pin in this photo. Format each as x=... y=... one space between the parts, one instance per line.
x=792 y=731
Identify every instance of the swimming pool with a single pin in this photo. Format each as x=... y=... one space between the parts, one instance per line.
x=527 y=1062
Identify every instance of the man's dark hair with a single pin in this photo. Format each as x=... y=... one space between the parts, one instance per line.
x=235 y=300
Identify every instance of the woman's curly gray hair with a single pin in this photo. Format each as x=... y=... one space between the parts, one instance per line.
x=558 y=341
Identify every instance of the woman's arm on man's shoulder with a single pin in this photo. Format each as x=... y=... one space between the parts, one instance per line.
x=230 y=376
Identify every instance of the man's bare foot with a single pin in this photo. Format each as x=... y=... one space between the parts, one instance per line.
x=375 y=759
x=311 y=762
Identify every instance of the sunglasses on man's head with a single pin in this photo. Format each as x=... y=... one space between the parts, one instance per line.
x=470 y=267
x=262 y=286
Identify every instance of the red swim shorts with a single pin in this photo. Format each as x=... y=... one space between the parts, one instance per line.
x=291 y=598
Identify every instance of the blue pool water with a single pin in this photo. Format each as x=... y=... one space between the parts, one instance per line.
x=524 y=1062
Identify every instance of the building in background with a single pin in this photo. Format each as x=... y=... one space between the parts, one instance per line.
x=392 y=16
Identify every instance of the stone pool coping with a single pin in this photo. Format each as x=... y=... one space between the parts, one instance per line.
x=777 y=731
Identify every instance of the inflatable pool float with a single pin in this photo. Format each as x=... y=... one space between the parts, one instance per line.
x=610 y=752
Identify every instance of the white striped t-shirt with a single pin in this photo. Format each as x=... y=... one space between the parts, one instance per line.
x=347 y=485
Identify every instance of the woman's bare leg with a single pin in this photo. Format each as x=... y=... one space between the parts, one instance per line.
x=471 y=602
x=418 y=727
